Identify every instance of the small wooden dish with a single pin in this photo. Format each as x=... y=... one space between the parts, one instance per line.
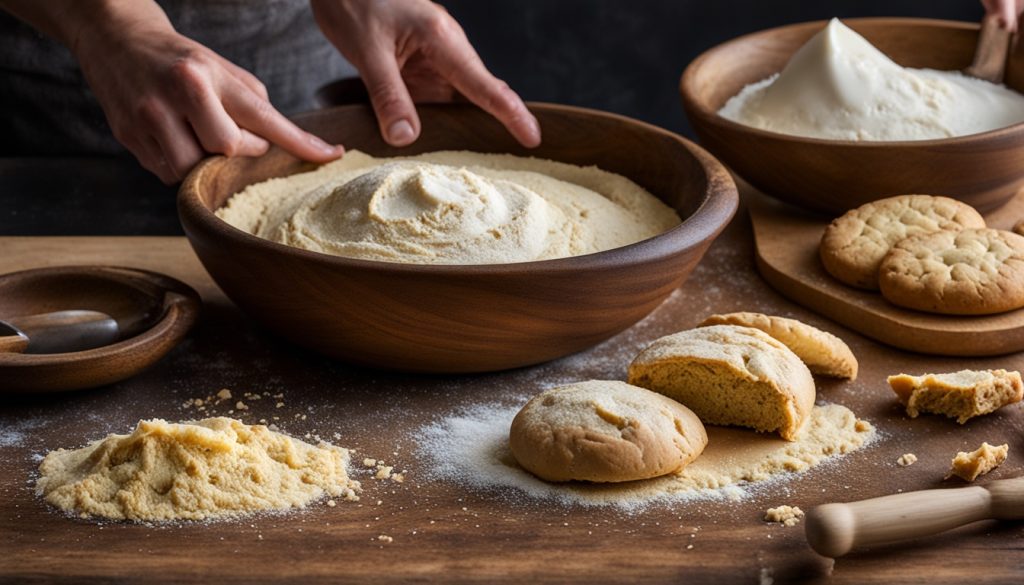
x=153 y=312
x=443 y=318
x=985 y=170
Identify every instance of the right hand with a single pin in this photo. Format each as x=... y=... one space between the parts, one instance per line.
x=1008 y=11
x=171 y=101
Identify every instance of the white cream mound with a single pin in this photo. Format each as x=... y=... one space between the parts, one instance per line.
x=839 y=86
x=450 y=207
x=472 y=448
x=211 y=468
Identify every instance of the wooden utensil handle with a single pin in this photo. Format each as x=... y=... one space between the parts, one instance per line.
x=835 y=529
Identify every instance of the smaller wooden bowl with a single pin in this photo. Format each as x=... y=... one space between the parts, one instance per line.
x=984 y=170
x=153 y=313
x=448 y=318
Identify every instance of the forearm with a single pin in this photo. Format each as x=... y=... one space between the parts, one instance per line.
x=72 y=22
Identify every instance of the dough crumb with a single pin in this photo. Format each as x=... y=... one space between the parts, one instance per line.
x=241 y=406
x=224 y=394
x=961 y=395
x=385 y=538
x=785 y=515
x=906 y=460
x=383 y=472
x=212 y=468
x=968 y=466
x=369 y=462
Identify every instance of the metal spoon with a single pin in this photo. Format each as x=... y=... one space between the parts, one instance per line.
x=58 y=332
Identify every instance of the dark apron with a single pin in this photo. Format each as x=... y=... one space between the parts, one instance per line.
x=49 y=110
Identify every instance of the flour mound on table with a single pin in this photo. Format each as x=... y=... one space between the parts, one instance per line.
x=216 y=467
x=471 y=447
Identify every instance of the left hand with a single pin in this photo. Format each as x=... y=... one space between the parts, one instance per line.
x=413 y=50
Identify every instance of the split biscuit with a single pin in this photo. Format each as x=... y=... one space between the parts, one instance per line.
x=604 y=431
x=970 y=272
x=822 y=352
x=854 y=244
x=730 y=375
x=968 y=466
x=961 y=395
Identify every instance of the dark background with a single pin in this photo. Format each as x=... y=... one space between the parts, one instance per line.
x=623 y=56
x=626 y=56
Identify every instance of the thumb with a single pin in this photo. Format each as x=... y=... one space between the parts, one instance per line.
x=396 y=114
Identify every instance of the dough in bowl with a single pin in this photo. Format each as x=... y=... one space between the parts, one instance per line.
x=450 y=207
x=604 y=431
x=730 y=375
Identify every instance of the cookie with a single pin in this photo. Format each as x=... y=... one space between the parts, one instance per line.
x=730 y=375
x=822 y=352
x=961 y=395
x=854 y=244
x=604 y=431
x=970 y=272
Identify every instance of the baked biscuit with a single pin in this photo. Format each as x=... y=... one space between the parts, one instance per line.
x=822 y=352
x=961 y=395
x=970 y=272
x=968 y=466
x=604 y=431
x=854 y=244
x=730 y=375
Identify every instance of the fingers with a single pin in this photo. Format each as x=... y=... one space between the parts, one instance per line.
x=255 y=114
x=458 y=62
x=396 y=114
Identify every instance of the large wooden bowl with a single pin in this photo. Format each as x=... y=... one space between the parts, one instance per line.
x=984 y=170
x=430 y=318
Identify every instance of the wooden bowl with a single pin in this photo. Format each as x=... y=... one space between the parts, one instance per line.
x=444 y=318
x=153 y=313
x=984 y=170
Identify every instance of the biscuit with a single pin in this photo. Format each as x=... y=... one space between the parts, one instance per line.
x=961 y=395
x=968 y=466
x=854 y=244
x=730 y=375
x=604 y=431
x=970 y=272
x=822 y=352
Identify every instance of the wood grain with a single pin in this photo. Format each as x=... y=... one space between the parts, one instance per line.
x=449 y=318
x=835 y=175
x=787 y=257
x=447 y=532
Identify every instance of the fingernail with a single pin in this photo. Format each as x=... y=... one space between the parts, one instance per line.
x=318 y=143
x=400 y=133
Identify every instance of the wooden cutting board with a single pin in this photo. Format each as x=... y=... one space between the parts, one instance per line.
x=787 y=239
x=448 y=532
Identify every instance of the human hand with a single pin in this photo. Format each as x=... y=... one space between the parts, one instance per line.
x=171 y=101
x=413 y=50
x=1008 y=11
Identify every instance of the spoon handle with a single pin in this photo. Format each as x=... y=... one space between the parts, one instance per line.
x=990 y=55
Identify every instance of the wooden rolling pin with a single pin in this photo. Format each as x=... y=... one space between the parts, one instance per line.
x=835 y=529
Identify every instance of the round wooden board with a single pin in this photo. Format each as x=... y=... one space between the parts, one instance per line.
x=786 y=243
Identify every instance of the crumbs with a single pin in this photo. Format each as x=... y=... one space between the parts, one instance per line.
x=785 y=515
x=906 y=460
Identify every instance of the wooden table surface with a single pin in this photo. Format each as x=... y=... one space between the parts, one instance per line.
x=446 y=532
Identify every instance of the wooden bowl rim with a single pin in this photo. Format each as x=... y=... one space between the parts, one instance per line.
x=719 y=204
x=181 y=306
x=687 y=82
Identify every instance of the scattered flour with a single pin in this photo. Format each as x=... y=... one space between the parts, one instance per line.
x=471 y=447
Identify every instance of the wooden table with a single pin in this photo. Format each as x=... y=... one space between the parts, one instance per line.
x=449 y=533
